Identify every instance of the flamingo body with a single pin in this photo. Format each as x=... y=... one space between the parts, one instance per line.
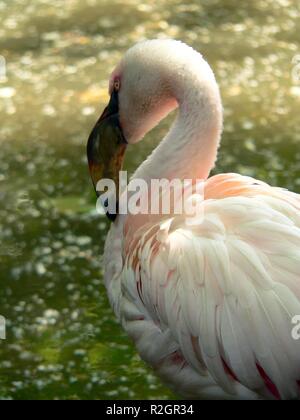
x=209 y=305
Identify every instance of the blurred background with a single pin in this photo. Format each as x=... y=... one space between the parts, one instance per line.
x=55 y=59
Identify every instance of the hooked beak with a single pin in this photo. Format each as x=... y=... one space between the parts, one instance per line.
x=106 y=147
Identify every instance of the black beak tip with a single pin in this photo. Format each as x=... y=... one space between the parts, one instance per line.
x=111 y=216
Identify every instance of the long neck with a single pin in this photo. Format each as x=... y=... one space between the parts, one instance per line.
x=189 y=150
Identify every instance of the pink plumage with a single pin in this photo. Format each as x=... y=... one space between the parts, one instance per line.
x=209 y=305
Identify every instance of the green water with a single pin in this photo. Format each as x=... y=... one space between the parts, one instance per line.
x=62 y=338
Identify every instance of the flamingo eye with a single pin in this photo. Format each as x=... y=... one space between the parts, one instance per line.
x=117 y=85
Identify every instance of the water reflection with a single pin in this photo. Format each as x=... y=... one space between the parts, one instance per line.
x=63 y=341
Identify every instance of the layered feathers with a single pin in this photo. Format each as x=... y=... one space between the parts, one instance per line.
x=219 y=295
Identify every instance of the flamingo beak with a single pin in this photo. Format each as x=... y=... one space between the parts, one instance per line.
x=106 y=147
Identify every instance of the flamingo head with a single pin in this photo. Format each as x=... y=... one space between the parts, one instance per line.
x=140 y=96
x=145 y=86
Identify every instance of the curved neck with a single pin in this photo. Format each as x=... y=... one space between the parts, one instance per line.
x=189 y=150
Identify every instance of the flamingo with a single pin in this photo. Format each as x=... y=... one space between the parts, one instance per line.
x=208 y=305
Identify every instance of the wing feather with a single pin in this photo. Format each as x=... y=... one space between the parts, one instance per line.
x=224 y=291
